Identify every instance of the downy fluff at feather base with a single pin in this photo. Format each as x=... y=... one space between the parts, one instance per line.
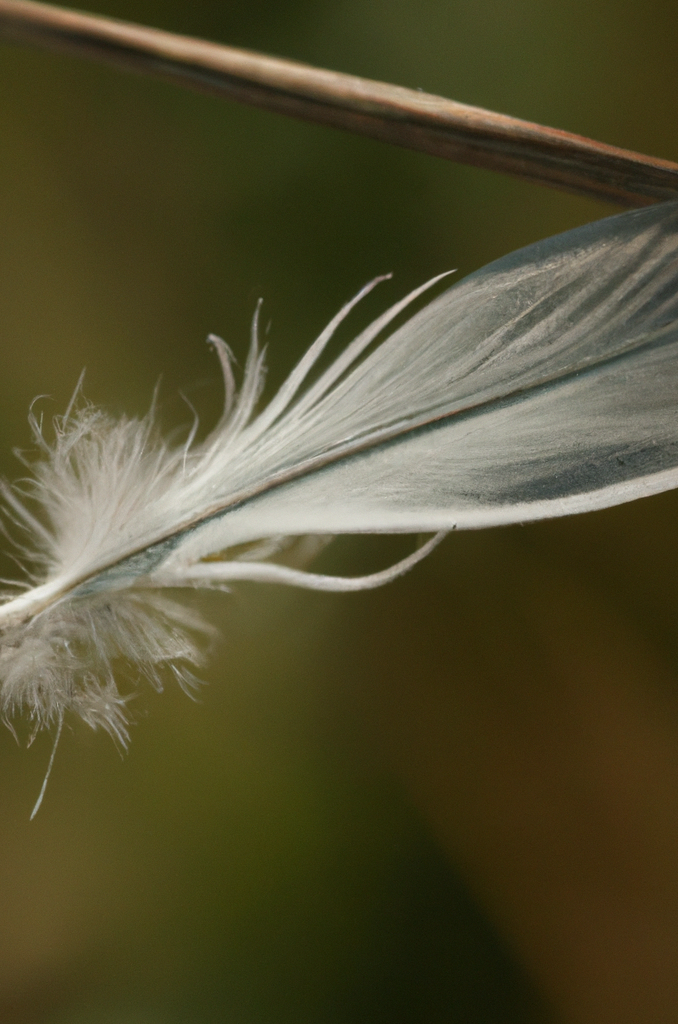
x=544 y=384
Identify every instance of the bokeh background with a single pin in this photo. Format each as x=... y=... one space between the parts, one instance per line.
x=454 y=799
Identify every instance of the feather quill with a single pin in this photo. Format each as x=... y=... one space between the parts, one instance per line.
x=544 y=384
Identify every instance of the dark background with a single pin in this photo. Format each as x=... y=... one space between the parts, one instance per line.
x=454 y=799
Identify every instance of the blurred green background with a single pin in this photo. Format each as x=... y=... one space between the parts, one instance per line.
x=455 y=799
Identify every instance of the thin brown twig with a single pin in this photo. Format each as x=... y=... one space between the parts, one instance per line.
x=390 y=113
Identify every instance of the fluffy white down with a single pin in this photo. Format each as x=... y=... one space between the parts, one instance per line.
x=95 y=486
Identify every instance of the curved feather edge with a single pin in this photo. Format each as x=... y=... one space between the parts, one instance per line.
x=542 y=385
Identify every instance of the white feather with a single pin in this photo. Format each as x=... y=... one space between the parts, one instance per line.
x=544 y=384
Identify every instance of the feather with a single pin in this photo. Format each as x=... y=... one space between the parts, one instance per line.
x=544 y=384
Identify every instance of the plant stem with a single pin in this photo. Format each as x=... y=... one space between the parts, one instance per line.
x=390 y=113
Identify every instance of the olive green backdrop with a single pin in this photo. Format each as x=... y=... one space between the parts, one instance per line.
x=382 y=806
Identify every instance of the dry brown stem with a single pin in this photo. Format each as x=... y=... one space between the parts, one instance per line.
x=389 y=113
